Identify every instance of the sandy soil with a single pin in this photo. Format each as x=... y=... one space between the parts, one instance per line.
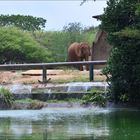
x=34 y=76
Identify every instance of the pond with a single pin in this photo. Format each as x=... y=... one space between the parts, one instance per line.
x=70 y=124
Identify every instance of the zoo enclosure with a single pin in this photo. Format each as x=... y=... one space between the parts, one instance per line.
x=45 y=66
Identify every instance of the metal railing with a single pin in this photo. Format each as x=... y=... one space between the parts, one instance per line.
x=45 y=66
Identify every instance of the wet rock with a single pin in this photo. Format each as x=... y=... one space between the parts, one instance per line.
x=4 y=105
x=31 y=105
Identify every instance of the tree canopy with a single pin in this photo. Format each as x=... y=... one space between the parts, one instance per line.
x=29 y=23
x=121 y=20
x=17 y=46
x=73 y=27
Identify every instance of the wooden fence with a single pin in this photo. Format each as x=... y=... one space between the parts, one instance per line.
x=45 y=66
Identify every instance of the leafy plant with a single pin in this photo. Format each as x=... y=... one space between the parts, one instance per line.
x=36 y=104
x=17 y=46
x=7 y=96
x=96 y=97
x=124 y=98
x=121 y=20
x=32 y=104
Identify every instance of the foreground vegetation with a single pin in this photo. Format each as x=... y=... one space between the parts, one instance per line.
x=121 y=20
x=93 y=97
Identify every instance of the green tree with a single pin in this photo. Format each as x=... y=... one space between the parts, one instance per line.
x=17 y=46
x=138 y=9
x=29 y=23
x=122 y=22
x=74 y=31
x=73 y=27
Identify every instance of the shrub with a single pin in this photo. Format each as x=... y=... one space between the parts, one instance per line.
x=17 y=46
x=96 y=97
x=121 y=20
x=7 y=96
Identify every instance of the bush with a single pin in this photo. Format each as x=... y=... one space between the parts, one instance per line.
x=122 y=21
x=7 y=96
x=96 y=97
x=17 y=46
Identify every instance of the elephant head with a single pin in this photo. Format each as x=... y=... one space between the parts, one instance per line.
x=83 y=51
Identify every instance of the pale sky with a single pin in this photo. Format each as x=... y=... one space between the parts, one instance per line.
x=57 y=13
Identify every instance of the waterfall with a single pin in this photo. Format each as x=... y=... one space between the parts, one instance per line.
x=85 y=86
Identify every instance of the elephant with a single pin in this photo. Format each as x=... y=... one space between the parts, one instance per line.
x=79 y=52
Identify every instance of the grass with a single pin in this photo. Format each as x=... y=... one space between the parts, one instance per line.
x=75 y=79
x=65 y=76
x=27 y=100
x=7 y=96
x=69 y=100
x=32 y=104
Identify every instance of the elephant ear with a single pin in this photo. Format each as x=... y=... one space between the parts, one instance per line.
x=82 y=46
x=79 y=50
x=85 y=49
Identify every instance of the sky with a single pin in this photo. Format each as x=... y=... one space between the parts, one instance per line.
x=58 y=13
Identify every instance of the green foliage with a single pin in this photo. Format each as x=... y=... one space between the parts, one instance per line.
x=36 y=104
x=138 y=9
x=73 y=27
x=6 y=96
x=66 y=100
x=96 y=97
x=58 y=42
x=89 y=35
x=29 y=23
x=121 y=21
x=17 y=46
x=119 y=14
x=129 y=33
x=124 y=98
x=32 y=104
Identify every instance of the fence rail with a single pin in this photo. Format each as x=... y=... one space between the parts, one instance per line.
x=45 y=66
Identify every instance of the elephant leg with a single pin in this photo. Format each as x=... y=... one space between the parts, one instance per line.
x=77 y=67
x=81 y=67
x=87 y=66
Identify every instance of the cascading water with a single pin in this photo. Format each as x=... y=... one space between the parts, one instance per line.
x=68 y=87
x=85 y=86
x=70 y=124
x=52 y=122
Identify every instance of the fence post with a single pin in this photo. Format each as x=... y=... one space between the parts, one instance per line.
x=44 y=74
x=91 y=72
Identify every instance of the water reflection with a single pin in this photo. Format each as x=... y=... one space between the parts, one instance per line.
x=70 y=124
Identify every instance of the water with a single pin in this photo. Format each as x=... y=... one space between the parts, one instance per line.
x=70 y=124
x=68 y=87
x=85 y=86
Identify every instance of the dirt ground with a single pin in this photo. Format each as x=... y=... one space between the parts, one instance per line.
x=55 y=76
